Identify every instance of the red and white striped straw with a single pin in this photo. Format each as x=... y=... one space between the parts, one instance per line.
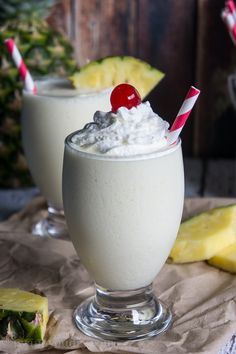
x=231 y=7
x=19 y=62
x=230 y=23
x=183 y=114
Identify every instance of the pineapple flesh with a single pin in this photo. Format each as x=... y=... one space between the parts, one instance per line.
x=205 y=235
x=23 y=315
x=225 y=259
x=111 y=71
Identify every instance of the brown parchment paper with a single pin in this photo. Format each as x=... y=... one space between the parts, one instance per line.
x=202 y=298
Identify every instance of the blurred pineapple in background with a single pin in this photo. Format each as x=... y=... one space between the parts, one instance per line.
x=46 y=52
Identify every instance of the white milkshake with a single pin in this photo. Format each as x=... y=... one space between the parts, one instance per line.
x=123 y=212
x=123 y=193
x=47 y=118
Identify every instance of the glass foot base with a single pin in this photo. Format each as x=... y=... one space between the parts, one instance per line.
x=54 y=225
x=121 y=316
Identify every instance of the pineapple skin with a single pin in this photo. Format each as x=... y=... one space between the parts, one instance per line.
x=111 y=71
x=45 y=52
x=201 y=237
x=23 y=316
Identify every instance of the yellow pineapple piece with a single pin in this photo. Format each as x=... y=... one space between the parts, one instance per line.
x=111 y=71
x=23 y=315
x=205 y=235
x=225 y=259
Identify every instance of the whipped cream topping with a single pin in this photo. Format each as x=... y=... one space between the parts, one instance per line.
x=127 y=132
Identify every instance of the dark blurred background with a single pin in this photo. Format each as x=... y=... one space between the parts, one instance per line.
x=185 y=38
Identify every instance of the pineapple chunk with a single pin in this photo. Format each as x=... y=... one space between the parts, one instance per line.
x=204 y=235
x=111 y=71
x=23 y=315
x=225 y=259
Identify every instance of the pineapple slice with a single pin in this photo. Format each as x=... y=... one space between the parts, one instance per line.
x=204 y=235
x=111 y=71
x=23 y=315
x=225 y=259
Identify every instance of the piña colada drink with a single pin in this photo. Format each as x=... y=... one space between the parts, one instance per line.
x=47 y=118
x=123 y=192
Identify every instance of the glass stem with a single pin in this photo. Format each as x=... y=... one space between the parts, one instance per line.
x=122 y=315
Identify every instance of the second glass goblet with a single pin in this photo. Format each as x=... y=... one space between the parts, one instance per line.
x=47 y=118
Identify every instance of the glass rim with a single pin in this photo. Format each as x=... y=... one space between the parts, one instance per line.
x=146 y=156
x=75 y=93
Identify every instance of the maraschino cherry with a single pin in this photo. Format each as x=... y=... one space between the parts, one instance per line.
x=124 y=95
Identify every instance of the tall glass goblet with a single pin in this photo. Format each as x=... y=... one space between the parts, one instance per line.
x=47 y=118
x=123 y=215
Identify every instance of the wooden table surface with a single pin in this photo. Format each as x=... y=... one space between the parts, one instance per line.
x=210 y=178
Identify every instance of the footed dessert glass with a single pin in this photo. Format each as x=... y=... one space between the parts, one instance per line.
x=123 y=215
x=47 y=118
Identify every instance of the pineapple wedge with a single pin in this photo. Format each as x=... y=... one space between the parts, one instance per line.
x=225 y=259
x=23 y=316
x=204 y=235
x=111 y=71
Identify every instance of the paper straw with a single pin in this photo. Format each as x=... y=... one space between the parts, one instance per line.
x=19 y=62
x=230 y=23
x=183 y=114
